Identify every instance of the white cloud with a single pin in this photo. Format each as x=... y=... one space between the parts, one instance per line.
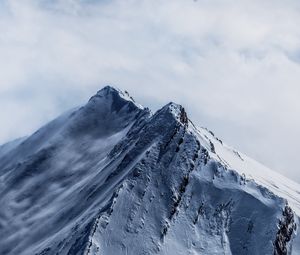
x=234 y=65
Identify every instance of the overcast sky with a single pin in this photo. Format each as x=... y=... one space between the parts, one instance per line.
x=234 y=65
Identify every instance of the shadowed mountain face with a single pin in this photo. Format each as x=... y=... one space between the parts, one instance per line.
x=113 y=178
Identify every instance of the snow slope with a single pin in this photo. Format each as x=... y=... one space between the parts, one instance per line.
x=113 y=178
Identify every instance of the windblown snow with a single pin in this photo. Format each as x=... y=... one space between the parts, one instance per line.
x=112 y=178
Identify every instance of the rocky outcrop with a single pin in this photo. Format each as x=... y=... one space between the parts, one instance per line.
x=287 y=226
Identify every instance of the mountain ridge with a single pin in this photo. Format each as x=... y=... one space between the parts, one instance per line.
x=113 y=178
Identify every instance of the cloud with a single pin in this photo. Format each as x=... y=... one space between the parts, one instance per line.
x=234 y=65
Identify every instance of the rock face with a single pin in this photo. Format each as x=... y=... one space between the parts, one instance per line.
x=287 y=226
x=113 y=178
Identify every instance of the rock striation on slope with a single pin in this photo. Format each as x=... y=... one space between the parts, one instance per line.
x=113 y=178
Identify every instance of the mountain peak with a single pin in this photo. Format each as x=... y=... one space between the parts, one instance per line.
x=108 y=90
x=116 y=95
x=177 y=111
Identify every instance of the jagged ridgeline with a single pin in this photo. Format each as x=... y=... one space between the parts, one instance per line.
x=113 y=178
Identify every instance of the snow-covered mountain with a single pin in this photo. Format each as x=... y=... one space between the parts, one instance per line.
x=112 y=178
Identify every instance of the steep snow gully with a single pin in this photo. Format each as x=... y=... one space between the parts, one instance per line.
x=112 y=178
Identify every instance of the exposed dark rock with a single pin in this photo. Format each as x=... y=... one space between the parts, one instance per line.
x=212 y=147
x=183 y=116
x=285 y=232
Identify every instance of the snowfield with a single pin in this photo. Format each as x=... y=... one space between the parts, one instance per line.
x=112 y=178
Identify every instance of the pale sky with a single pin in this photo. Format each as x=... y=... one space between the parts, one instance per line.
x=234 y=65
